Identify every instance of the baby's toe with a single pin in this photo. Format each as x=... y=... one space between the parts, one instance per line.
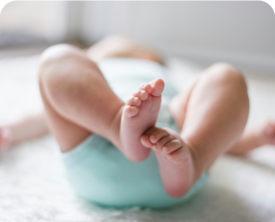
x=171 y=146
x=141 y=94
x=163 y=141
x=133 y=101
x=157 y=87
x=145 y=86
x=130 y=111
x=157 y=135
x=179 y=156
x=144 y=139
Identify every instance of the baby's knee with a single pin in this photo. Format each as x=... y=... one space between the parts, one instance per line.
x=55 y=59
x=57 y=53
x=226 y=74
x=233 y=80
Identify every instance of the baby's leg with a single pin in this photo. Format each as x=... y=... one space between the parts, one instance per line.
x=77 y=98
x=78 y=102
x=215 y=112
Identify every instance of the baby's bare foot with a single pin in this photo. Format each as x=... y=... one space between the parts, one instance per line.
x=139 y=114
x=174 y=158
x=5 y=138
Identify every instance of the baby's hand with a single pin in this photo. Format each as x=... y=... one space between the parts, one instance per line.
x=5 y=138
x=267 y=133
x=166 y=141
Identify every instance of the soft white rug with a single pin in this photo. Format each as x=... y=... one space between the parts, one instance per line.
x=33 y=187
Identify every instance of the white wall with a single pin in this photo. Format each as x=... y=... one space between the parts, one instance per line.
x=242 y=33
x=42 y=18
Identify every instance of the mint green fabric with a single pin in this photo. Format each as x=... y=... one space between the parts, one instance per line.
x=100 y=173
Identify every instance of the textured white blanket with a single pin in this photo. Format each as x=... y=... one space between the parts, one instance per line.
x=33 y=187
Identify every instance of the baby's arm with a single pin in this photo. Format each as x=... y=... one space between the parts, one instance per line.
x=253 y=138
x=27 y=128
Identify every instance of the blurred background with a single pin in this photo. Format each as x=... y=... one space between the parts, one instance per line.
x=197 y=34
x=242 y=33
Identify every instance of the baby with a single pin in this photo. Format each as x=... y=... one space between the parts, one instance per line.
x=153 y=143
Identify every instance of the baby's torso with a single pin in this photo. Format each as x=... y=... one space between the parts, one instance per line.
x=125 y=75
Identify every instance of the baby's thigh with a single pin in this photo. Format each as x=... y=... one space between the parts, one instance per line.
x=53 y=89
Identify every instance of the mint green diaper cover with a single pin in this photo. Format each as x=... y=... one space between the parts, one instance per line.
x=100 y=173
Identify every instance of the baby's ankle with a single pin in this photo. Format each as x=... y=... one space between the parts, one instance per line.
x=114 y=132
x=197 y=161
